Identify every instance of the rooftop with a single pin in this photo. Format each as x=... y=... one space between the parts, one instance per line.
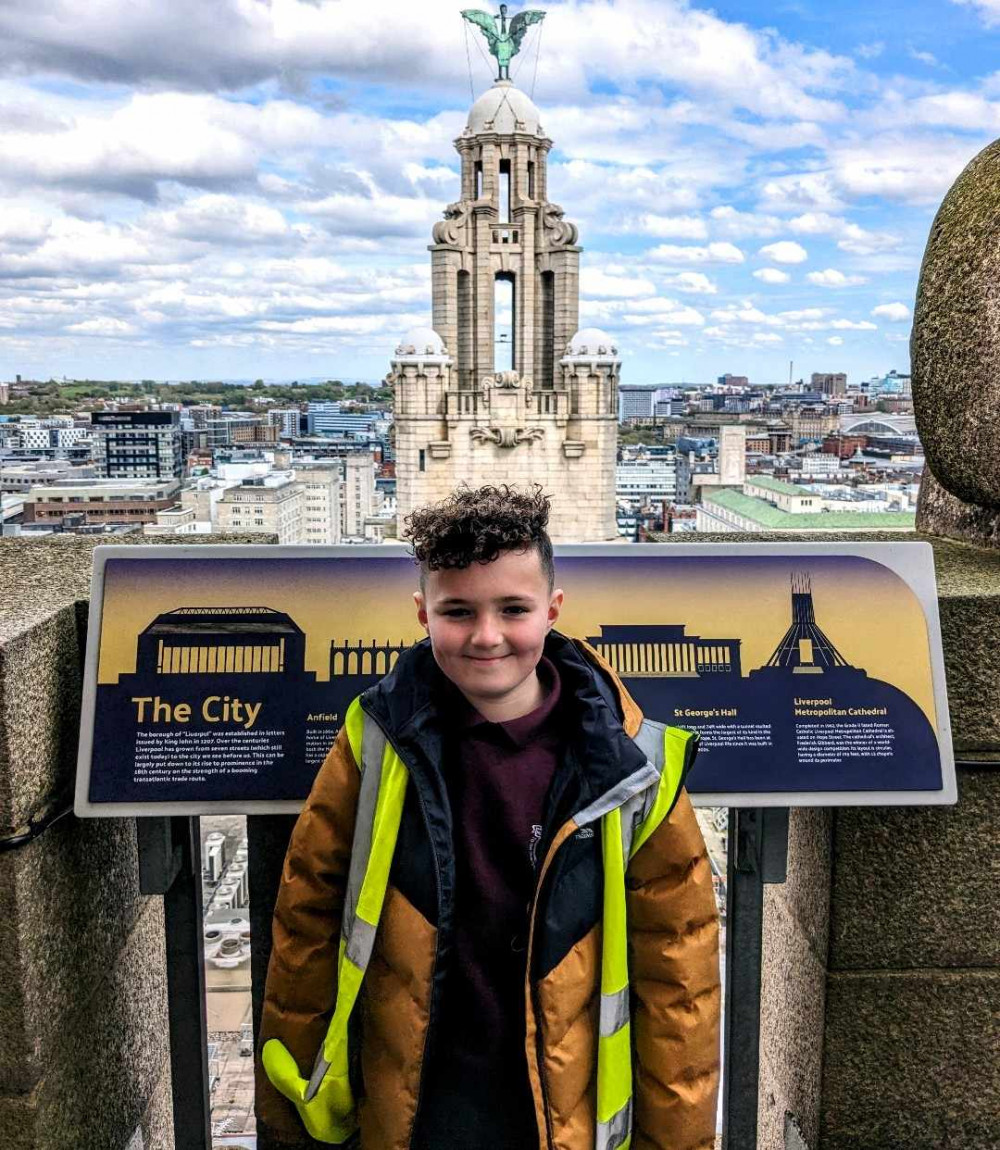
x=779 y=486
x=760 y=511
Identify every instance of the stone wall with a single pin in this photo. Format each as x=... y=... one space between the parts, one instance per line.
x=84 y=1043
x=912 y=1035
x=83 y=1025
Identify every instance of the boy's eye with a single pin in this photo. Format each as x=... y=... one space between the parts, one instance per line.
x=456 y=612
x=515 y=610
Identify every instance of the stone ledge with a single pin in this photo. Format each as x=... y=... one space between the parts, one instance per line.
x=41 y=575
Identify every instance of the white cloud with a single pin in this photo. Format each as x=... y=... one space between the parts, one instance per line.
x=832 y=278
x=373 y=215
x=835 y=340
x=853 y=325
x=232 y=44
x=989 y=10
x=595 y=282
x=785 y=252
x=851 y=237
x=222 y=219
x=771 y=276
x=720 y=252
x=893 y=312
x=911 y=168
x=922 y=57
x=651 y=311
x=104 y=326
x=672 y=227
x=803 y=192
x=697 y=283
x=870 y=51
x=729 y=221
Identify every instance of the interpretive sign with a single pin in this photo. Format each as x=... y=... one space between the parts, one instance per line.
x=217 y=676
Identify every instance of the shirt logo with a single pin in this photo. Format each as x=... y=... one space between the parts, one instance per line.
x=585 y=833
x=536 y=838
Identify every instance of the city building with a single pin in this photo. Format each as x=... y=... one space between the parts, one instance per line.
x=20 y=477
x=96 y=501
x=844 y=446
x=766 y=504
x=811 y=423
x=359 y=494
x=646 y=480
x=272 y=504
x=503 y=387
x=137 y=444
x=829 y=383
x=288 y=421
x=321 y=483
x=329 y=419
x=729 y=380
x=819 y=463
x=635 y=402
x=230 y=428
x=4 y=394
x=893 y=384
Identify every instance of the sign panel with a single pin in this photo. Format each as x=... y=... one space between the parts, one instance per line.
x=217 y=676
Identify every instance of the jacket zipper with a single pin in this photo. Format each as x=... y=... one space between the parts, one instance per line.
x=437 y=941
x=557 y=842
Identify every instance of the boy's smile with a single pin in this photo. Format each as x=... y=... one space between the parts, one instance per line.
x=487 y=625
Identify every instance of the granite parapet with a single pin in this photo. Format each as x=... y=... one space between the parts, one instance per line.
x=910 y=1061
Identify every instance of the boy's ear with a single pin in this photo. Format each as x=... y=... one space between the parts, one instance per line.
x=555 y=606
x=418 y=598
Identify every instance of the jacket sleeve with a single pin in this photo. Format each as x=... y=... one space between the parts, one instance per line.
x=676 y=994
x=301 y=987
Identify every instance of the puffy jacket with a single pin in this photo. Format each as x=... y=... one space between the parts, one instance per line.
x=671 y=916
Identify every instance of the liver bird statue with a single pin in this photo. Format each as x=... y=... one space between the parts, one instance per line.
x=504 y=39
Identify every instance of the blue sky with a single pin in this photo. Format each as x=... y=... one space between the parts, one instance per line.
x=247 y=188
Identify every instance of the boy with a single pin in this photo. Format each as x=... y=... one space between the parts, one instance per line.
x=495 y=928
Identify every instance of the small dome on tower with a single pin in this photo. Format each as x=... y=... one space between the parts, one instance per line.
x=503 y=108
x=421 y=342
x=592 y=343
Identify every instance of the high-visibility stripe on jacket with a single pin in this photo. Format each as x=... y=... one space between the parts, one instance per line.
x=629 y=814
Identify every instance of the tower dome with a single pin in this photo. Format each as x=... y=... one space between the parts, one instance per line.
x=592 y=343
x=421 y=343
x=504 y=109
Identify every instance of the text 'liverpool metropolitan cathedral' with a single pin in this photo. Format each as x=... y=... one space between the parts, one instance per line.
x=504 y=388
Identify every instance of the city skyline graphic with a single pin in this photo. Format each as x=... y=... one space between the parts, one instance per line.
x=277 y=656
x=876 y=619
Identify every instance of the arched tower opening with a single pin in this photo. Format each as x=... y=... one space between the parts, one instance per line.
x=504 y=322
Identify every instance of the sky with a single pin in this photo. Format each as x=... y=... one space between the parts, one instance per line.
x=246 y=188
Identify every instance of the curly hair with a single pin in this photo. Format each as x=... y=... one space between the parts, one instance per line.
x=478 y=525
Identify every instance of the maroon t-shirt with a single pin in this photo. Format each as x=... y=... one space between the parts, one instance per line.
x=498 y=776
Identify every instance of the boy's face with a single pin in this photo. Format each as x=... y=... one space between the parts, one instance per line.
x=487 y=625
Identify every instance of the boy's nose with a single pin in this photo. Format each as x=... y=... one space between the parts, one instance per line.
x=486 y=634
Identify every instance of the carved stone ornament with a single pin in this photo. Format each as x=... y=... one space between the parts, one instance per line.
x=558 y=233
x=451 y=230
x=506 y=436
x=505 y=381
